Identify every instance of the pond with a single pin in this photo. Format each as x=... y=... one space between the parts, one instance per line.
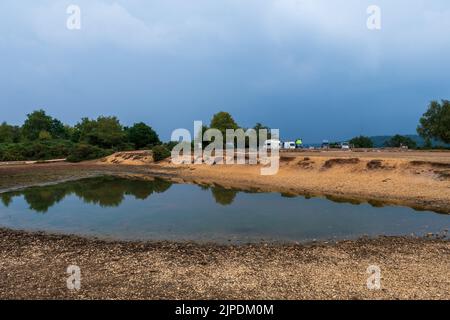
x=126 y=209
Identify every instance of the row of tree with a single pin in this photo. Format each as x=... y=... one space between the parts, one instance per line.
x=433 y=125
x=396 y=141
x=223 y=121
x=104 y=132
x=42 y=136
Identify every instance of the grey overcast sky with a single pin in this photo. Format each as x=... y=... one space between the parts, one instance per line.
x=311 y=68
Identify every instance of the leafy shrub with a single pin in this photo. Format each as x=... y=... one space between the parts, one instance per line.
x=11 y=152
x=361 y=142
x=125 y=146
x=44 y=135
x=160 y=153
x=37 y=150
x=142 y=136
x=83 y=152
x=399 y=141
x=170 y=145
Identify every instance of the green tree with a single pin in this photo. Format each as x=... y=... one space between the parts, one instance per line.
x=435 y=122
x=71 y=133
x=36 y=122
x=44 y=135
x=361 y=142
x=59 y=130
x=39 y=121
x=258 y=126
x=399 y=141
x=105 y=132
x=141 y=135
x=9 y=133
x=222 y=121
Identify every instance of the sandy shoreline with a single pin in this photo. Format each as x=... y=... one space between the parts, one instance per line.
x=33 y=266
x=416 y=179
x=420 y=180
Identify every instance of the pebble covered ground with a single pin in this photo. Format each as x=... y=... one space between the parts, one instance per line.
x=34 y=266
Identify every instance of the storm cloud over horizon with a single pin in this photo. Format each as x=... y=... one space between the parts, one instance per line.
x=310 y=68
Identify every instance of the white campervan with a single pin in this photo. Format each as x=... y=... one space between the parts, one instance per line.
x=289 y=145
x=272 y=144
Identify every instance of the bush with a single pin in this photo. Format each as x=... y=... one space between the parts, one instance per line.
x=11 y=152
x=125 y=146
x=361 y=142
x=171 y=144
x=83 y=152
x=44 y=135
x=160 y=153
x=142 y=136
x=37 y=150
x=400 y=141
x=51 y=149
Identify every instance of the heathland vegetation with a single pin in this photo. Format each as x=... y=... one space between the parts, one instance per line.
x=43 y=137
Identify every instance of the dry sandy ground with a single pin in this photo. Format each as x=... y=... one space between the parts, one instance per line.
x=34 y=266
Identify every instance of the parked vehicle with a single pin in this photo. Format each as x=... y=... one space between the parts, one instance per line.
x=272 y=144
x=325 y=144
x=289 y=145
x=345 y=146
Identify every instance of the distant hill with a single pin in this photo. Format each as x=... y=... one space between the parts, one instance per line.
x=379 y=141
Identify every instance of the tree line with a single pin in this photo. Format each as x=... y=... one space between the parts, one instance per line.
x=44 y=137
x=433 y=125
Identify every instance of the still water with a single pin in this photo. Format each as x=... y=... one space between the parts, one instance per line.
x=116 y=208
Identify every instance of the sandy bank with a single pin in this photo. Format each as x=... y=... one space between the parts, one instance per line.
x=415 y=179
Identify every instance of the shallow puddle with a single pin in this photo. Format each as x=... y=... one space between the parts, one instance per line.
x=111 y=207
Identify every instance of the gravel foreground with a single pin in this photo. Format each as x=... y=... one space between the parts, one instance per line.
x=34 y=265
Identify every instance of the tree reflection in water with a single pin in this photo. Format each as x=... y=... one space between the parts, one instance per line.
x=223 y=196
x=103 y=191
